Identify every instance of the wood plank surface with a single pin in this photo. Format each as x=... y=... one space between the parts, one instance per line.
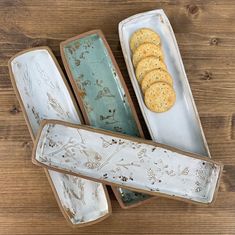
x=206 y=36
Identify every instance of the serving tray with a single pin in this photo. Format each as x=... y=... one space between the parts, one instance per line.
x=126 y=161
x=180 y=126
x=101 y=93
x=43 y=93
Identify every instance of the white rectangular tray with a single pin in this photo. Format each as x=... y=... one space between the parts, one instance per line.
x=180 y=126
x=126 y=161
x=43 y=93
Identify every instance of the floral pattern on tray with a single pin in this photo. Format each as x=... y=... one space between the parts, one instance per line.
x=125 y=162
x=45 y=96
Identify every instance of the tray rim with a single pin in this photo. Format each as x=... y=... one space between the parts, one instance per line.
x=78 y=93
x=33 y=138
x=186 y=81
x=131 y=138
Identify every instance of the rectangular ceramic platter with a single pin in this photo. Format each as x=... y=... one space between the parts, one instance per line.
x=43 y=95
x=126 y=161
x=180 y=126
x=100 y=92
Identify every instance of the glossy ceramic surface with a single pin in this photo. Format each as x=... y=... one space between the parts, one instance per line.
x=125 y=161
x=43 y=94
x=180 y=126
x=100 y=92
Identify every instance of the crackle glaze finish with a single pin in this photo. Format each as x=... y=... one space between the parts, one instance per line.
x=44 y=95
x=180 y=126
x=127 y=162
x=101 y=92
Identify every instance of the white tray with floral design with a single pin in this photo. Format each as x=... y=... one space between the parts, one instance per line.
x=43 y=93
x=125 y=161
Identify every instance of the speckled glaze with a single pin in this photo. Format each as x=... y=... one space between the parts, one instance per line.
x=180 y=126
x=100 y=92
x=131 y=162
x=43 y=94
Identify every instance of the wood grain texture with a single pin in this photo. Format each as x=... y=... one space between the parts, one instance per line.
x=206 y=36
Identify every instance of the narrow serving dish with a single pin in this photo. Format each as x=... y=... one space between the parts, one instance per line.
x=43 y=93
x=180 y=126
x=101 y=93
x=121 y=160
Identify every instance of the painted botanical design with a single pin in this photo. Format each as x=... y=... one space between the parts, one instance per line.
x=44 y=77
x=88 y=107
x=23 y=69
x=101 y=91
x=72 y=49
x=45 y=96
x=105 y=92
x=36 y=115
x=128 y=163
x=109 y=118
x=54 y=104
x=82 y=201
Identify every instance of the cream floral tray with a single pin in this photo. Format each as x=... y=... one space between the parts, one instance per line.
x=126 y=161
x=43 y=93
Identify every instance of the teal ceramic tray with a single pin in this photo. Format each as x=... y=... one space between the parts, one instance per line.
x=101 y=93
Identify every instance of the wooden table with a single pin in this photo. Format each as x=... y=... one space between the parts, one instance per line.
x=206 y=36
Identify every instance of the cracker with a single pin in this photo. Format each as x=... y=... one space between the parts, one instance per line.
x=142 y=36
x=145 y=50
x=156 y=75
x=160 y=97
x=146 y=65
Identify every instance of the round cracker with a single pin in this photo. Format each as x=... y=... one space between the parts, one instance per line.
x=145 y=50
x=156 y=75
x=160 y=97
x=142 y=36
x=146 y=65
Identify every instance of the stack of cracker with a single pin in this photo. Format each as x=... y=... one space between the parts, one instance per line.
x=151 y=71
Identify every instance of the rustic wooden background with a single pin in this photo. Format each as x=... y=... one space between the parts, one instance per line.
x=206 y=36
